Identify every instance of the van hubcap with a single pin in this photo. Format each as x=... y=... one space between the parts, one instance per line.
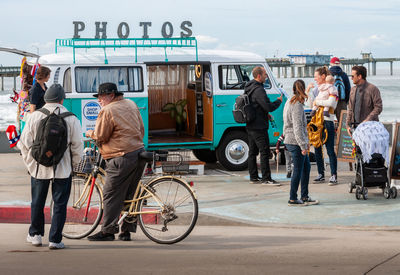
x=237 y=151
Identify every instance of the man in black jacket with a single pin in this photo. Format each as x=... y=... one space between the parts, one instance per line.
x=257 y=129
x=335 y=69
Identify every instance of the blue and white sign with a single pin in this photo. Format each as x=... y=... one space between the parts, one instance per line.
x=90 y=111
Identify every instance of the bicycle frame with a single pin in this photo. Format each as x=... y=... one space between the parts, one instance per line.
x=139 y=195
x=86 y=196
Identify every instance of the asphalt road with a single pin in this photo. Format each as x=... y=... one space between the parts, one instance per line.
x=210 y=250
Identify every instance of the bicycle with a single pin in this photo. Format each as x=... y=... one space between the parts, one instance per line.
x=165 y=206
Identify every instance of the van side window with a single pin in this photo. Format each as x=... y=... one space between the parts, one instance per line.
x=67 y=84
x=235 y=77
x=127 y=79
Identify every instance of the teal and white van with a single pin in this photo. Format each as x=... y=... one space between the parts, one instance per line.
x=204 y=83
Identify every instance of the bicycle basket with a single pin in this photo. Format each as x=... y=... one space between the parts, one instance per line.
x=176 y=162
x=86 y=163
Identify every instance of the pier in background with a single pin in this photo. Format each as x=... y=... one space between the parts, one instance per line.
x=9 y=72
x=305 y=65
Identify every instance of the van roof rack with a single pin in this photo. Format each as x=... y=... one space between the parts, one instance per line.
x=90 y=43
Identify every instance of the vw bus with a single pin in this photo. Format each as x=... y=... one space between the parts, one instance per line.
x=204 y=83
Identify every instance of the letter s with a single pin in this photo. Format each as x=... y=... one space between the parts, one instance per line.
x=184 y=27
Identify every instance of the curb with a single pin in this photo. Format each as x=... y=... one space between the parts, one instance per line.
x=20 y=214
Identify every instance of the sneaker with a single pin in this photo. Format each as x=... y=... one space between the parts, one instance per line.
x=255 y=181
x=34 y=240
x=270 y=182
x=296 y=203
x=100 y=236
x=310 y=201
x=59 y=245
x=289 y=175
x=333 y=181
x=125 y=236
x=320 y=178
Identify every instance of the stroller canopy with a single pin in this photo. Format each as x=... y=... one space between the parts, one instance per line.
x=372 y=137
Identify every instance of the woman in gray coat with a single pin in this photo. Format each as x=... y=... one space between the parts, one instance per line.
x=296 y=140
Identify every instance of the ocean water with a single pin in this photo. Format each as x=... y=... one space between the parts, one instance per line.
x=388 y=85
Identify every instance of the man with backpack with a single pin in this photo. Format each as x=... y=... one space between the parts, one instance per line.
x=51 y=144
x=342 y=84
x=257 y=129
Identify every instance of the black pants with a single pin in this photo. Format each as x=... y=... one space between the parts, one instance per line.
x=259 y=143
x=123 y=176
x=60 y=190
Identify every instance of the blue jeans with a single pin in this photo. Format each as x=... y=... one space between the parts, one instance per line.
x=301 y=172
x=60 y=190
x=330 y=148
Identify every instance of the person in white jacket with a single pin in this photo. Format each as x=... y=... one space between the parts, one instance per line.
x=41 y=176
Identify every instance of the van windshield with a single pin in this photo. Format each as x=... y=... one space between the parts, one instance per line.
x=127 y=79
x=235 y=77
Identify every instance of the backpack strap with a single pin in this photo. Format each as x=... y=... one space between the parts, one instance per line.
x=44 y=111
x=64 y=115
x=67 y=114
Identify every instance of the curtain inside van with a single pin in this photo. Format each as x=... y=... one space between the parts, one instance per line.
x=88 y=79
x=167 y=83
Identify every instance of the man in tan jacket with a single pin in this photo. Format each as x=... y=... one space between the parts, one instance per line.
x=365 y=103
x=119 y=134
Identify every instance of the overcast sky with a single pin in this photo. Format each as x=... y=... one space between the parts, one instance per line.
x=269 y=28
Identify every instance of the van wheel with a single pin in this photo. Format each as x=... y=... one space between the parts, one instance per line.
x=233 y=151
x=205 y=155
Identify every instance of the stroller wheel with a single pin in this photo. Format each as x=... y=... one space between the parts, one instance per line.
x=358 y=193
x=351 y=187
x=386 y=192
x=393 y=192
x=365 y=193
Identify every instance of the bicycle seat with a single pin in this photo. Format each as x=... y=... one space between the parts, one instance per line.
x=148 y=156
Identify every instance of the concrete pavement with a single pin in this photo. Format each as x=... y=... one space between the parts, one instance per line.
x=242 y=229
x=228 y=198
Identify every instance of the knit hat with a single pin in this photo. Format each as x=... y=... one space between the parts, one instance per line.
x=54 y=94
x=108 y=88
x=335 y=61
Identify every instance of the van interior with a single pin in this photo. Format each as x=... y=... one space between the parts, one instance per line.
x=179 y=109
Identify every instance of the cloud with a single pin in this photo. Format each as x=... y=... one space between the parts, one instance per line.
x=374 y=41
x=205 y=39
x=42 y=48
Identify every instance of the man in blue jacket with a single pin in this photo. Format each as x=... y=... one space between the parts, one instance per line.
x=336 y=70
x=257 y=129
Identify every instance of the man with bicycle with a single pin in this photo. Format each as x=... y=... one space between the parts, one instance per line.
x=119 y=134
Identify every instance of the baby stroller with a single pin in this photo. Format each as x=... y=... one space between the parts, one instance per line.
x=371 y=150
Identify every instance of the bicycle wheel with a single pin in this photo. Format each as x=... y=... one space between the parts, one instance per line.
x=176 y=208
x=76 y=227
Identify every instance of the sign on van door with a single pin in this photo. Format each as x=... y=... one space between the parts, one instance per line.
x=90 y=111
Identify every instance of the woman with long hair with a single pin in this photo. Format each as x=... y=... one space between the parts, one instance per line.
x=320 y=75
x=36 y=93
x=296 y=140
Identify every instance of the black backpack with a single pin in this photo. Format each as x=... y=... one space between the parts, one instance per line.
x=243 y=110
x=51 y=139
